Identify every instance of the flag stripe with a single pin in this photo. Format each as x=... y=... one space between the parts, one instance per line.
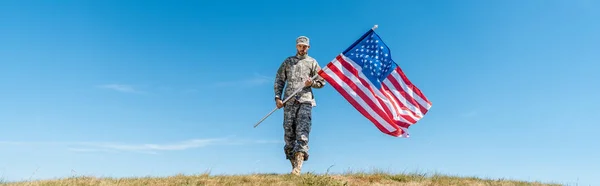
x=348 y=79
x=403 y=115
x=349 y=65
x=400 y=105
x=353 y=69
x=420 y=96
x=400 y=93
x=392 y=99
x=358 y=103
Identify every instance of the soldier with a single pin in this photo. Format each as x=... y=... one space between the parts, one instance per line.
x=297 y=71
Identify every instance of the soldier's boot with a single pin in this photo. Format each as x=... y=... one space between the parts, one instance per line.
x=293 y=162
x=299 y=159
x=290 y=157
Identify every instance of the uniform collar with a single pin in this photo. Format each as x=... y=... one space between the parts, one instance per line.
x=301 y=56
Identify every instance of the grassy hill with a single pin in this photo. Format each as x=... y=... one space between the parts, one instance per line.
x=283 y=179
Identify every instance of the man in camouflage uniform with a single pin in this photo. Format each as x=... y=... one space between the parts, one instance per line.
x=297 y=71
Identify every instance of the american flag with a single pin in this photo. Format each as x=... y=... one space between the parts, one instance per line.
x=375 y=85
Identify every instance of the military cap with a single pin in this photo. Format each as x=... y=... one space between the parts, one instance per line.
x=303 y=40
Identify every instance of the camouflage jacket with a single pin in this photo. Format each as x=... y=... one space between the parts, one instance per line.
x=294 y=71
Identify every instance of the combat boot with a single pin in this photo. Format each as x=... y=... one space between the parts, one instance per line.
x=293 y=162
x=299 y=159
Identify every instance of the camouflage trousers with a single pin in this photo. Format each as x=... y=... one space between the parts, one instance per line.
x=297 y=123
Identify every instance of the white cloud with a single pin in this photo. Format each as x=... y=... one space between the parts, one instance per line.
x=148 y=148
x=183 y=145
x=90 y=150
x=120 y=88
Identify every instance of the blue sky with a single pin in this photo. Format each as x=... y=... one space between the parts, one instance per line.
x=138 y=88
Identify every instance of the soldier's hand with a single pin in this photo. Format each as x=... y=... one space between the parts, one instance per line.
x=308 y=82
x=279 y=103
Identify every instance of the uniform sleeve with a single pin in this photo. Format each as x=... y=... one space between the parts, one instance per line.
x=319 y=82
x=280 y=78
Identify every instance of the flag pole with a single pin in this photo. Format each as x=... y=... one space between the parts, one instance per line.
x=286 y=99
x=295 y=92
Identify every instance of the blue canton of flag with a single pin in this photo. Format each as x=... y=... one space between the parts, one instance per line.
x=373 y=56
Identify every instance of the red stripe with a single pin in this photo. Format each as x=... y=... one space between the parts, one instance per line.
x=390 y=97
x=397 y=133
x=388 y=117
x=404 y=94
x=360 y=92
x=411 y=86
x=356 y=105
x=401 y=106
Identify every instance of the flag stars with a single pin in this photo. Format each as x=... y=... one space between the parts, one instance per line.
x=373 y=57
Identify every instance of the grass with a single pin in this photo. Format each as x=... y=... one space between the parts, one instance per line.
x=358 y=178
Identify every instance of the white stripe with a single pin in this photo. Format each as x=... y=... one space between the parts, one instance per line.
x=395 y=104
x=384 y=98
x=410 y=92
x=402 y=111
x=387 y=102
x=405 y=135
x=358 y=83
x=357 y=98
x=362 y=76
x=402 y=99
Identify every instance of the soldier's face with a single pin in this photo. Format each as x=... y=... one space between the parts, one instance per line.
x=302 y=49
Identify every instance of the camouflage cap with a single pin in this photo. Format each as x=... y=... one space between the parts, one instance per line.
x=302 y=40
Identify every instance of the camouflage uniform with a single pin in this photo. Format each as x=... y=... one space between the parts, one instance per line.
x=294 y=71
